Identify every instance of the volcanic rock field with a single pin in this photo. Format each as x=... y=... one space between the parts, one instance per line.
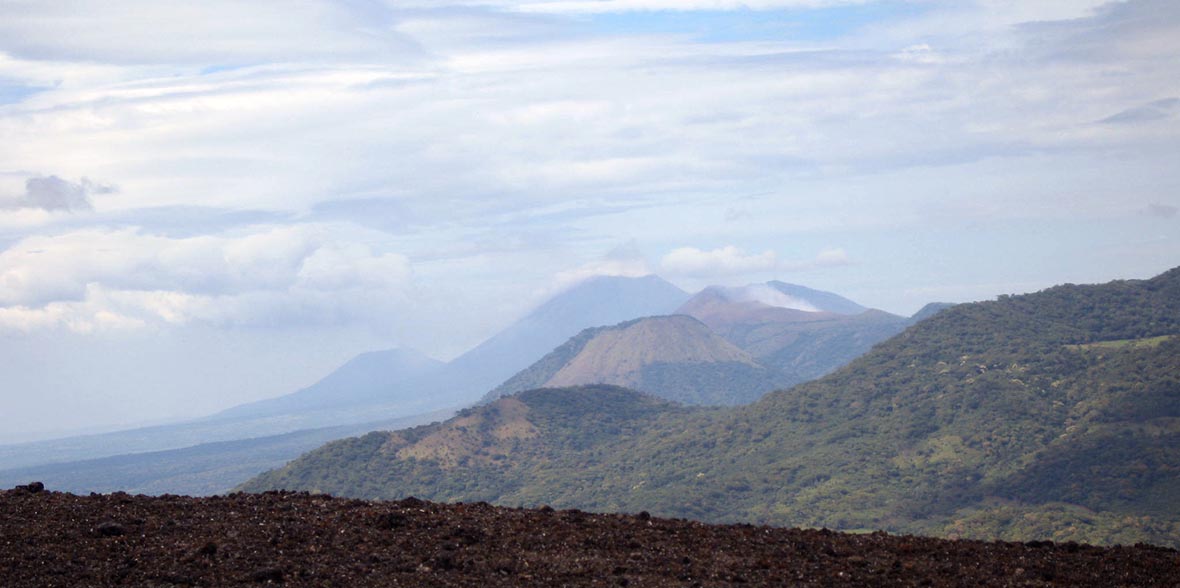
x=298 y=539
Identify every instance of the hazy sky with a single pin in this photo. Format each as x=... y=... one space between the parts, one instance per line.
x=204 y=203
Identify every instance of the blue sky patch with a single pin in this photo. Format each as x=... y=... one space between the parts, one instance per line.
x=14 y=93
x=817 y=24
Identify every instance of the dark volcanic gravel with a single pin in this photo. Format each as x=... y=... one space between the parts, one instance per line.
x=56 y=539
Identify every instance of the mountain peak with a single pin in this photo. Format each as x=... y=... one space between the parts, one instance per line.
x=777 y=295
x=611 y=296
x=1051 y=415
x=930 y=310
x=374 y=377
x=767 y=320
x=602 y=300
x=616 y=355
x=675 y=357
x=820 y=299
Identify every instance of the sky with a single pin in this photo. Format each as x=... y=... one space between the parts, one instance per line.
x=208 y=203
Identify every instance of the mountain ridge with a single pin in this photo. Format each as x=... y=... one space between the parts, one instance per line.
x=675 y=357
x=598 y=301
x=805 y=344
x=362 y=390
x=361 y=379
x=1026 y=417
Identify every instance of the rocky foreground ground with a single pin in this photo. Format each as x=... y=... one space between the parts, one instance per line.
x=57 y=539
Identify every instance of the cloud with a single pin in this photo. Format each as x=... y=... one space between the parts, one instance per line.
x=725 y=261
x=452 y=155
x=53 y=194
x=769 y=296
x=273 y=276
x=1152 y=111
x=280 y=163
x=188 y=221
x=607 y=6
x=219 y=32
x=730 y=261
x=625 y=260
x=827 y=258
x=622 y=6
x=1159 y=210
x=921 y=54
x=495 y=125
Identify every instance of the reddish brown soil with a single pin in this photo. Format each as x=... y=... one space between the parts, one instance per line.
x=56 y=539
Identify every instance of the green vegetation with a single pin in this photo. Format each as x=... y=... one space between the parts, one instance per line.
x=1121 y=343
x=1018 y=418
x=505 y=451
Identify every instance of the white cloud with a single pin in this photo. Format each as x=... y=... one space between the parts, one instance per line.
x=1010 y=12
x=654 y=115
x=769 y=296
x=725 y=261
x=497 y=143
x=76 y=317
x=219 y=32
x=609 y=6
x=731 y=261
x=495 y=135
x=604 y=6
x=625 y=260
x=829 y=257
x=53 y=194
x=98 y=279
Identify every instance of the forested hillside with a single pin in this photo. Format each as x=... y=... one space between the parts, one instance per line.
x=1053 y=415
x=510 y=451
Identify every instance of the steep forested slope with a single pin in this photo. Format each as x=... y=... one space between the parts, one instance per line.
x=1053 y=415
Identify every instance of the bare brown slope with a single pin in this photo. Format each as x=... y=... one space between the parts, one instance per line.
x=618 y=356
x=55 y=539
x=673 y=357
x=471 y=438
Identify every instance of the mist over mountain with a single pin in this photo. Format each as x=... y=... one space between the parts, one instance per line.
x=199 y=469
x=725 y=345
x=1044 y=416
x=381 y=385
x=599 y=301
x=796 y=330
x=369 y=378
x=819 y=300
x=376 y=386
